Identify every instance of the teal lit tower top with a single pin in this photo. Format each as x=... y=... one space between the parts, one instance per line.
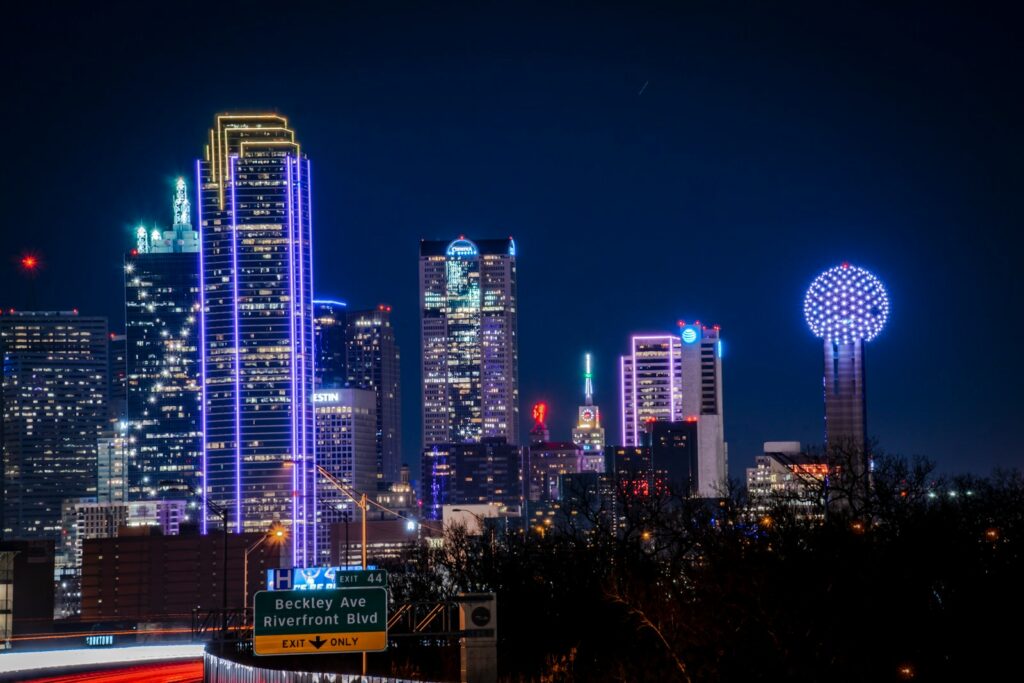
x=180 y=238
x=588 y=381
x=182 y=209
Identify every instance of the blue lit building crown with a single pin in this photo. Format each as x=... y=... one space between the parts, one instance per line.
x=846 y=304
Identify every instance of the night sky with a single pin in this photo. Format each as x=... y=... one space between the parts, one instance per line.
x=654 y=162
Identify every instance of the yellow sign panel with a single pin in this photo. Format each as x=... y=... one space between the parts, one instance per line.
x=318 y=643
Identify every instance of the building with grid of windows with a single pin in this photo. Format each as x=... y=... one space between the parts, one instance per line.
x=54 y=401
x=469 y=341
x=329 y=342
x=651 y=384
x=257 y=358
x=372 y=362
x=346 y=446
x=701 y=361
x=161 y=279
x=487 y=472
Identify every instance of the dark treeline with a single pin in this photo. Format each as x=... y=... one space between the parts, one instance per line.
x=917 y=578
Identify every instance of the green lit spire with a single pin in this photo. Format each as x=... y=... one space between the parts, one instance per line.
x=588 y=381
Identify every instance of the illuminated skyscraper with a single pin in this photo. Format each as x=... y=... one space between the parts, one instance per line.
x=257 y=358
x=161 y=279
x=846 y=306
x=588 y=433
x=357 y=349
x=651 y=384
x=470 y=344
x=346 y=440
x=678 y=378
x=371 y=362
x=54 y=398
x=329 y=341
x=702 y=402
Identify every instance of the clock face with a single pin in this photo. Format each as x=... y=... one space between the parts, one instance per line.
x=587 y=415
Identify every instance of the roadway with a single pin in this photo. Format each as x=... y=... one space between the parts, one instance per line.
x=170 y=663
x=167 y=672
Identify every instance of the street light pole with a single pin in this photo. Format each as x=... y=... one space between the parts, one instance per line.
x=363 y=504
x=270 y=535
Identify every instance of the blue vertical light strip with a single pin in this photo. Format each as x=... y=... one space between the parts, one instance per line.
x=238 y=346
x=292 y=360
x=304 y=508
x=202 y=340
x=312 y=355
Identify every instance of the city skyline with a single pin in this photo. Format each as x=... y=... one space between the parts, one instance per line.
x=596 y=169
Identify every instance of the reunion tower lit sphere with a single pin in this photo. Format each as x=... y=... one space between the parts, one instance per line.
x=846 y=304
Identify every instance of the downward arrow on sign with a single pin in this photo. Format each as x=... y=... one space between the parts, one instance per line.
x=318 y=643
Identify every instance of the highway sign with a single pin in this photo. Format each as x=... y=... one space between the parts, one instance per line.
x=321 y=621
x=319 y=578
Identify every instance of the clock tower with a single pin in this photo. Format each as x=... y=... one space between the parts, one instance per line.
x=588 y=434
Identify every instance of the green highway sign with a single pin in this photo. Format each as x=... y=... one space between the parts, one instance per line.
x=320 y=621
x=362 y=577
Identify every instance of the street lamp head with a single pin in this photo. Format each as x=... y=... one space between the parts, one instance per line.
x=277 y=533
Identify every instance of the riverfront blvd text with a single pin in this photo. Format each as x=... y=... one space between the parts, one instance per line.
x=314 y=604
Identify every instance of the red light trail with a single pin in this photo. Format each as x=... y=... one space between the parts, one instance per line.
x=173 y=672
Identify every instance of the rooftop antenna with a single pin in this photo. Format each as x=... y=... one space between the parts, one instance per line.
x=588 y=381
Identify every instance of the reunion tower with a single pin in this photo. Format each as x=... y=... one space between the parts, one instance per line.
x=845 y=307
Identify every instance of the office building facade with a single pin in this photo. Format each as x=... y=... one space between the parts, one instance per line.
x=675 y=453
x=162 y=327
x=372 y=362
x=54 y=397
x=114 y=451
x=329 y=317
x=117 y=356
x=487 y=472
x=346 y=446
x=701 y=361
x=469 y=341
x=651 y=384
x=785 y=477
x=257 y=353
x=546 y=463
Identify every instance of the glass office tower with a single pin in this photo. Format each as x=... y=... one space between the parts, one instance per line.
x=257 y=359
x=54 y=400
x=161 y=278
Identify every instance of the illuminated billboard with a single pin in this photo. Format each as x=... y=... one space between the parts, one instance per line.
x=317 y=578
